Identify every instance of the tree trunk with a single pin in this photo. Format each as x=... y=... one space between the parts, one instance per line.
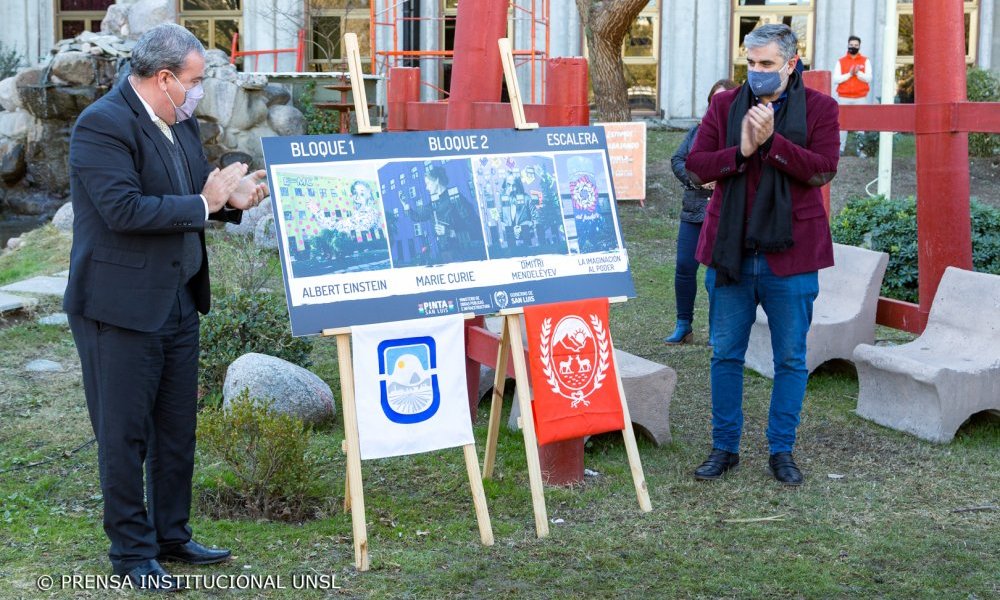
x=605 y=23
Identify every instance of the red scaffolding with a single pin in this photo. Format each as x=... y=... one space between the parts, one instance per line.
x=941 y=117
x=388 y=21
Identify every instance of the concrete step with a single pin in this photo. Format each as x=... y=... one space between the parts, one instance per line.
x=42 y=285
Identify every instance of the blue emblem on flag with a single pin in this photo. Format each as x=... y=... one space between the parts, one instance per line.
x=408 y=379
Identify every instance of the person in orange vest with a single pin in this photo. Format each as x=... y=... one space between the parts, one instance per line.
x=852 y=76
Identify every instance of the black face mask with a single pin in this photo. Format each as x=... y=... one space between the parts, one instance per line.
x=853 y=50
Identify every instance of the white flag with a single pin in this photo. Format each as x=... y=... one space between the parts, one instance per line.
x=409 y=386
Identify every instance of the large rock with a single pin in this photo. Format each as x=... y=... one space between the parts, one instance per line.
x=249 y=110
x=217 y=105
x=48 y=157
x=276 y=94
x=63 y=219
x=147 y=14
x=248 y=224
x=116 y=20
x=32 y=203
x=234 y=157
x=27 y=77
x=9 y=98
x=291 y=389
x=15 y=125
x=210 y=131
x=249 y=142
x=76 y=68
x=216 y=58
x=57 y=102
x=12 y=164
x=286 y=120
x=252 y=81
x=264 y=234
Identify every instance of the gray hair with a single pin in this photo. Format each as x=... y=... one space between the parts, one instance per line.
x=165 y=46
x=788 y=43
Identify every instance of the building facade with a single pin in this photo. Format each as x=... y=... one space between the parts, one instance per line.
x=675 y=50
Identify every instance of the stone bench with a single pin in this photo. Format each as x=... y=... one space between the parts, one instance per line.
x=843 y=314
x=649 y=387
x=931 y=385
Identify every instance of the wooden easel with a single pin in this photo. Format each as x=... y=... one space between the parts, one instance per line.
x=511 y=345
x=358 y=84
x=513 y=87
x=354 y=497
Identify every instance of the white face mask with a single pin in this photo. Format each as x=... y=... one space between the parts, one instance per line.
x=191 y=97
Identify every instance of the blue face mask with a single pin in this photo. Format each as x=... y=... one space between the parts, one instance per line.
x=764 y=83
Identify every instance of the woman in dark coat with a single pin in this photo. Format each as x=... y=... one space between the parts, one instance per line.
x=692 y=214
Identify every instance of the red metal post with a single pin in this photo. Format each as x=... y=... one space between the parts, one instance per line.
x=943 y=221
x=476 y=73
x=821 y=81
x=404 y=86
x=566 y=92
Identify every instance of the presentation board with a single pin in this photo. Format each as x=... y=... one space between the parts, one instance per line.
x=405 y=225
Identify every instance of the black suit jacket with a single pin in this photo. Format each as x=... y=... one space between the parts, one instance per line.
x=129 y=223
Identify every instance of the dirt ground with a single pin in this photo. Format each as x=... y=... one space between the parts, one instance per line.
x=854 y=173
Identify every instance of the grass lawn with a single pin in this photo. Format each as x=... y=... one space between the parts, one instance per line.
x=879 y=515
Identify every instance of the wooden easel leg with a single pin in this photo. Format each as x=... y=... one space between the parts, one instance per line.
x=496 y=408
x=354 y=484
x=347 y=479
x=634 y=463
x=527 y=426
x=478 y=494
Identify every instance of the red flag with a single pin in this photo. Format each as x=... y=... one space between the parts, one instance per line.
x=572 y=370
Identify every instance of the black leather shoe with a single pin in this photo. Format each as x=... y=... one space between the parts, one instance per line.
x=194 y=553
x=717 y=463
x=783 y=468
x=149 y=576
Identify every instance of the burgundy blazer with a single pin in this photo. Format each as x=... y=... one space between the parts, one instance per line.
x=807 y=170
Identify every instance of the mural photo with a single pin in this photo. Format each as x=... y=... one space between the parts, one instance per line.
x=519 y=201
x=432 y=213
x=586 y=194
x=333 y=224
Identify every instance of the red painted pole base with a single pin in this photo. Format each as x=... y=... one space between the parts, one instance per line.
x=562 y=462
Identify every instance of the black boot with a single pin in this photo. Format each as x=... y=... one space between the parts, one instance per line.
x=717 y=463
x=783 y=468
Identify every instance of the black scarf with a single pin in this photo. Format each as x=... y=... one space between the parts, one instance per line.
x=770 y=225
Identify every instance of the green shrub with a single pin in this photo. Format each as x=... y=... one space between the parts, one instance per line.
x=318 y=121
x=246 y=322
x=891 y=226
x=10 y=61
x=263 y=468
x=239 y=265
x=983 y=86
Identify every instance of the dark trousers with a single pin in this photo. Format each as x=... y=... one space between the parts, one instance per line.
x=141 y=391
x=686 y=275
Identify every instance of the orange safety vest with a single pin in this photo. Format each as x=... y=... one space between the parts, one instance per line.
x=853 y=87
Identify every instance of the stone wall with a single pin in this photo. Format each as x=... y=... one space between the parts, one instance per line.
x=40 y=105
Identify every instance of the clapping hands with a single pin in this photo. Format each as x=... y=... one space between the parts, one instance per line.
x=249 y=191
x=757 y=128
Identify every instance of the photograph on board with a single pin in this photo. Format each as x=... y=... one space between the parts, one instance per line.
x=431 y=212
x=519 y=201
x=585 y=191
x=333 y=224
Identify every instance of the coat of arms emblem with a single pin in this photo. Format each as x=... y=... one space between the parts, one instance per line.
x=575 y=356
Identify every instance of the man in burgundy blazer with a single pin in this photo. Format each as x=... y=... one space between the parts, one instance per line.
x=769 y=146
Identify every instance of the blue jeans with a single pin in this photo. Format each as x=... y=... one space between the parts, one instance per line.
x=788 y=303
x=686 y=275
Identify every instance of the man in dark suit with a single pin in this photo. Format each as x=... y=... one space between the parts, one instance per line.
x=769 y=145
x=142 y=191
